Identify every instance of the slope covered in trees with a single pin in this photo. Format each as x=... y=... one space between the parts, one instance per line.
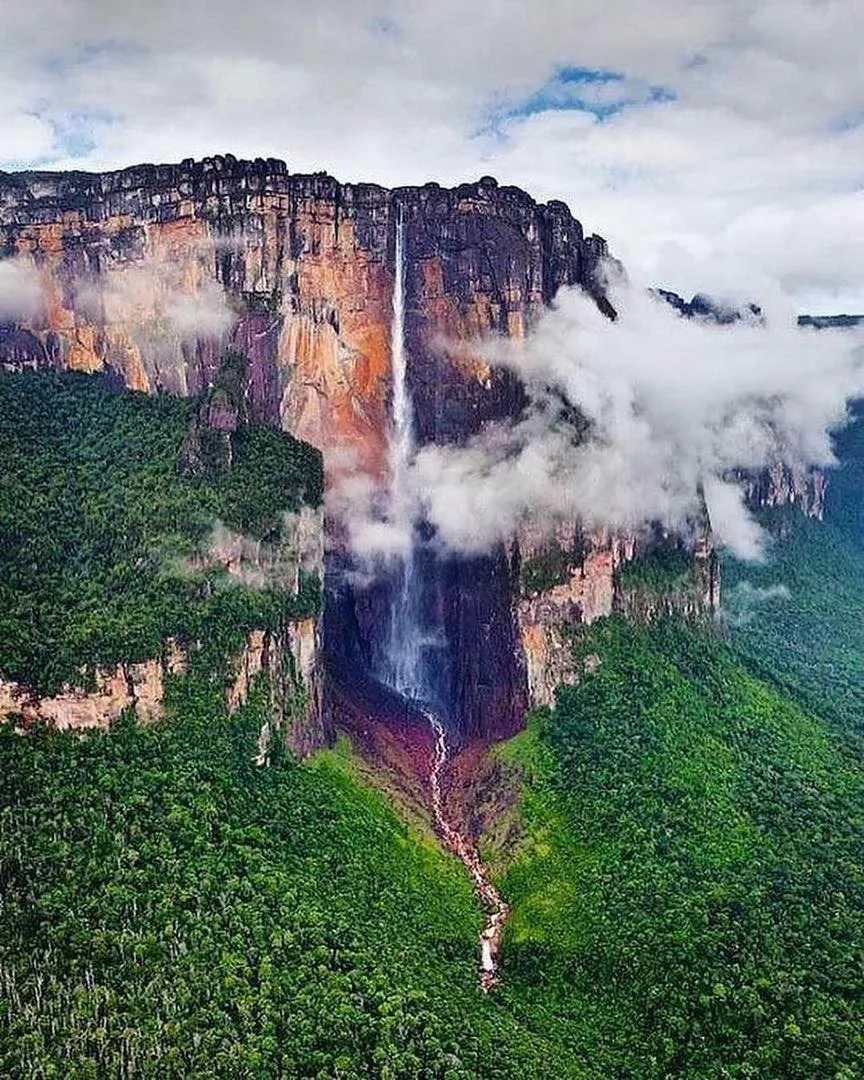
x=97 y=518
x=799 y=616
x=686 y=894
x=168 y=908
x=171 y=910
x=687 y=897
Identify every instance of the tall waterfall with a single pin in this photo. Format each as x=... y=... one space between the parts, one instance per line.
x=408 y=636
x=404 y=643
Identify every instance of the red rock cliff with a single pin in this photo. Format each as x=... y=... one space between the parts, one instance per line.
x=149 y=274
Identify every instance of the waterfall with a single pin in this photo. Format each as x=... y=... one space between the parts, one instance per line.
x=404 y=642
x=407 y=635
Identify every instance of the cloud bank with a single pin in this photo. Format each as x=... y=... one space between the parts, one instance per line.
x=708 y=141
x=668 y=408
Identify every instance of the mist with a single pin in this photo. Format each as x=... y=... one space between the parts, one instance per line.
x=639 y=420
x=20 y=290
x=742 y=603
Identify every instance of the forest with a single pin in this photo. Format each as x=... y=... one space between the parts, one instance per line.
x=98 y=520
x=686 y=868
x=798 y=617
x=687 y=895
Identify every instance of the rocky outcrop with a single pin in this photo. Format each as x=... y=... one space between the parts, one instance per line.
x=289 y=659
x=566 y=582
x=139 y=687
x=782 y=485
x=575 y=578
x=710 y=308
x=291 y=662
x=831 y=322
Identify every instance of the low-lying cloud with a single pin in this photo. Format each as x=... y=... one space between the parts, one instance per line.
x=742 y=603
x=670 y=408
x=20 y=290
x=149 y=292
x=259 y=564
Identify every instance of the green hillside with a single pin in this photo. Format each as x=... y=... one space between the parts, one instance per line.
x=799 y=616
x=687 y=890
x=688 y=893
x=97 y=516
x=170 y=910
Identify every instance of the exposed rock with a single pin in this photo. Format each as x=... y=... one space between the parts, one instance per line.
x=781 y=485
x=710 y=308
x=831 y=322
x=300 y=267
x=153 y=274
x=128 y=686
x=548 y=613
x=291 y=662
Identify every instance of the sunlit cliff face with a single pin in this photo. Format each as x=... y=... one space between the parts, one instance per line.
x=152 y=274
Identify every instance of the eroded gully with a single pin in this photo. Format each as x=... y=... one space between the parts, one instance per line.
x=493 y=905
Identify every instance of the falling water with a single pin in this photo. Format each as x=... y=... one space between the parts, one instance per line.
x=406 y=634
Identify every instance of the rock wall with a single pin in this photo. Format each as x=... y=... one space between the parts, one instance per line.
x=782 y=485
x=565 y=583
x=128 y=686
x=291 y=659
x=149 y=273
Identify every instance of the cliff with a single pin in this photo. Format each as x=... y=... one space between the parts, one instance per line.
x=784 y=486
x=149 y=273
x=152 y=275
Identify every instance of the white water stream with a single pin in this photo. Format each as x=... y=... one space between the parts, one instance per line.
x=495 y=908
x=405 y=637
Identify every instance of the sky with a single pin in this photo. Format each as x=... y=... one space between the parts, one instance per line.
x=717 y=144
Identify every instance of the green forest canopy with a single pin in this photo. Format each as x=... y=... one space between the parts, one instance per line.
x=97 y=517
x=687 y=892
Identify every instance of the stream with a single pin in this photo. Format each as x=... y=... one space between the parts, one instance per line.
x=494 y=906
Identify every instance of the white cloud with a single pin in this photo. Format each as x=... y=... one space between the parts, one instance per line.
x=741 y=603
x=20 y=290
x=673 y=406
x=755 y=165
x=149 y=292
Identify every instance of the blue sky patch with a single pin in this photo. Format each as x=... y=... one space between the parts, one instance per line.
x=66 y=62
x=599 y=91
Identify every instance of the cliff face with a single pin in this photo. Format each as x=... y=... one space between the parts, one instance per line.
x=576 y=577
x=151 y=274
x=290 y=659
x=127 y=686
x=784 y=486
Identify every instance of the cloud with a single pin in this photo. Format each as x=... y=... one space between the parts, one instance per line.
x=669 y=407
x=741 y=603
x=147 y=291
x=20 y=290
x=757 y=155
x=202 y=314
x=255 y=563
x=731 y=524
